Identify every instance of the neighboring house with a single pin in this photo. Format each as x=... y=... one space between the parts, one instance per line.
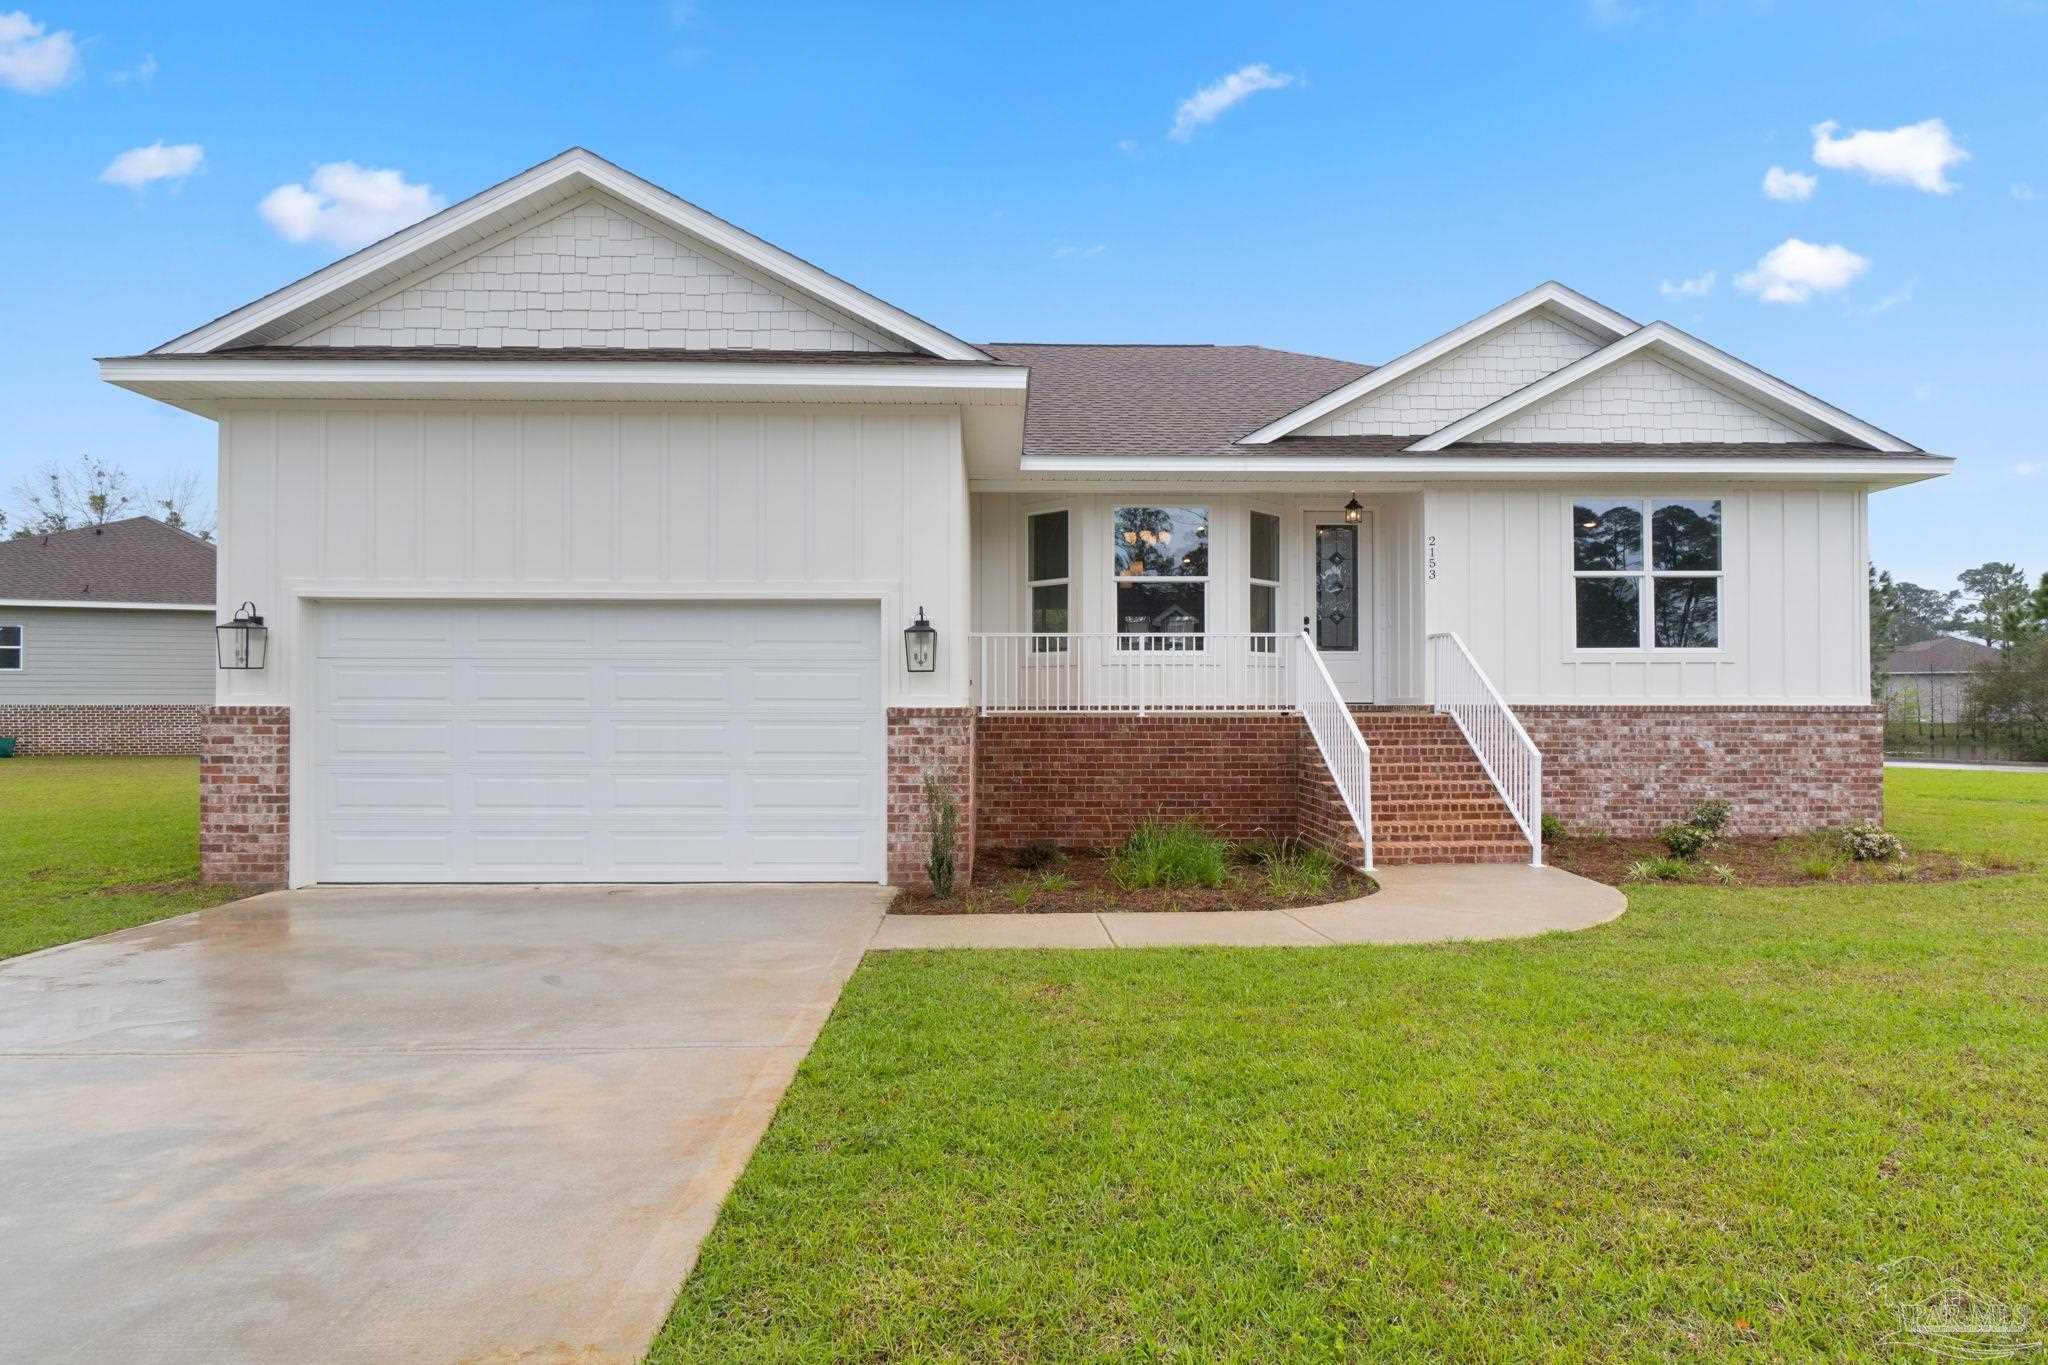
x=1929 y=683
x=106 y=639
x=586 y=525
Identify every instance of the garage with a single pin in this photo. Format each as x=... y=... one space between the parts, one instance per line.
x=597 y=742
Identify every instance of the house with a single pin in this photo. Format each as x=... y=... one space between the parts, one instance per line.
x=1928 y=682
x=106 y=639
x=584 y=524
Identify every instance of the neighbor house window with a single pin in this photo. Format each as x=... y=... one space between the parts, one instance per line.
x=10 y=649
x=1647 y=571
x=1265 y=577
x=1161 y=559
x=1049 y=582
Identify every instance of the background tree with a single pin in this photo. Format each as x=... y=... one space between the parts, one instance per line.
x=1997 y=599
x=1884 y=626
x=91 y=491
x=2011 y=693
x=1921 y=613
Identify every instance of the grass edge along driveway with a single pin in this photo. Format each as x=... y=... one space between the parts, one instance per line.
x=1732 y=1123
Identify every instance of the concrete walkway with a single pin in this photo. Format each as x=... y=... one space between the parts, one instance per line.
x=1414 y=905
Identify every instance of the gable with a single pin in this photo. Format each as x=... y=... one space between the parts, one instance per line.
x=1464 y=381
x=1643 y=399
x=595 y=275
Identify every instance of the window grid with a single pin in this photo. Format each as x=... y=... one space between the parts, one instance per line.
x=13 y=652
x=1063 y=581
x=1647 y=576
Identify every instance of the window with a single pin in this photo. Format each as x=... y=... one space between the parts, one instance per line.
x=1265 y=577
x=1047 y=578
x=1162 y=575
x=1647 y=568
x=10 y=649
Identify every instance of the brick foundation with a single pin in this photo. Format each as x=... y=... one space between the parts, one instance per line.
x=1084 y=781
x=1631 y=770
x=245 y=795
x=42 y=731
x=929 y=739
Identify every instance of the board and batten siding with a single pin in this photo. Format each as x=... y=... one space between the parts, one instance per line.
x=99 y=656
x=1794 y=605
x=595 y=501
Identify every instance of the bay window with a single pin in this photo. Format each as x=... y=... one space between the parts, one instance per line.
x=1646 y=572
x=1160 y=558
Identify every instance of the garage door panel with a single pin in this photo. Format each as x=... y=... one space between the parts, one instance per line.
x=598 y=742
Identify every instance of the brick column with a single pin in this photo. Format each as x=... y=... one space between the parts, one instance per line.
x=245 y=795
x=928 y=739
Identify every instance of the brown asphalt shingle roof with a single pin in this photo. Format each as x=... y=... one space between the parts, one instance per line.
x=1162 y=400
x=1943 y=654
x=137 y=560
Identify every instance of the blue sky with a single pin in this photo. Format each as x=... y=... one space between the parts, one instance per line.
x=1011 y=173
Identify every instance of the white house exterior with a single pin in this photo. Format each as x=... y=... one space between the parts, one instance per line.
x=586 y=527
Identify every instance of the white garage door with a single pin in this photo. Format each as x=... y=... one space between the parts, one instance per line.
x=582 y=742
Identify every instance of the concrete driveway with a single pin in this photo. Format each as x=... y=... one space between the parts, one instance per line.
x=396 y=1125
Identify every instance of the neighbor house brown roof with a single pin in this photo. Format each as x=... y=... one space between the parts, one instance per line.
x=136 y=560
x=1162 y=400
x=1942 y=654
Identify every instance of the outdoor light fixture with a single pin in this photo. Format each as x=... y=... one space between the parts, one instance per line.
x=920 y=645
x=1353 y=513
x=243 y=641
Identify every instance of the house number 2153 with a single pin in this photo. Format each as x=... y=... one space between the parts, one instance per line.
x=1430 y=563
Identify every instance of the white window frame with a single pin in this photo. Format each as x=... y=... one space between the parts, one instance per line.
x=1199 y=639
x=1646 y=576
x=1252 y=579
x=20 y=646
x=1030 y=583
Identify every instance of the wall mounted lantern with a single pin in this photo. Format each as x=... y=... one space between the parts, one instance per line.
x=243 y=641
x=1353 y=513
x=920 y=645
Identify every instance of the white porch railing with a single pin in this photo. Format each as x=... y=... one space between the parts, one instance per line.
x=1463 y=692
x=1335 y=729
x=1136 y=674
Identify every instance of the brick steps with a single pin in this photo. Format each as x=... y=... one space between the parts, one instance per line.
x=1431 y=801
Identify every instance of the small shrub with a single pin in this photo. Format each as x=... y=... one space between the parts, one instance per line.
x=942 y=825
x=1036 y=857
x=1686 y=841
x=1053 y=882
x=1294 y=873
x=1019 y=896
x=1820 y=868
x=1657 y=870
x=1711 y=816
x=1170 y=855
x=1553 y=828
x=1871 y=843
x=1723 y=874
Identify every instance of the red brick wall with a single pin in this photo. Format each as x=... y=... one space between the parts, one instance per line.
x=1631 y=770
x=245 y=795
x=1320 y=819
x=136 y=729
x=928 y=739
x=1083 y=781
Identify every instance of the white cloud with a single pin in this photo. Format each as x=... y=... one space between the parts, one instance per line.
x=1792 y=186
x=142 y=73
x=141 y=166
x=33 y=60
x=1924 y=391
x=1127 y=145
x=1903 y=294
x=1697 y=287
x=348 y=205
x=1062 y=253
x=1211 y=101
x=1794 y=271
x=2024 y=192
x=1611 y=12
x=2027 y=469
x=1917 y=154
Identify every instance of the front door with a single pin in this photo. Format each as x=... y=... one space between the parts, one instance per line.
x=1339 y=607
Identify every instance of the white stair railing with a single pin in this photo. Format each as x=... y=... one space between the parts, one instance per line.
x=1465 y=694
x=1336 y=733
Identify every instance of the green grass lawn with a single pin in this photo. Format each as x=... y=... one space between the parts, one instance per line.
x=1704 y=1130
x=90 y=845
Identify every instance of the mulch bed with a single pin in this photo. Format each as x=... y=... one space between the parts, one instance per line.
x=1763 y=862
x=1002 y=889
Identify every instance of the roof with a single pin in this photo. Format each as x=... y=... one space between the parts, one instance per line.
x=1355 y=446
x=1089 y=399
x=1942 y=654
x=315 y=354
x=136 y=560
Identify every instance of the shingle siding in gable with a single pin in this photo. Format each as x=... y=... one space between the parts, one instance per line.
x=1462 y=382
x=594 y=276
x=1642 y=399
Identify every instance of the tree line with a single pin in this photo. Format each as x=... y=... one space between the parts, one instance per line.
x=91 y=491
x=1994 y=604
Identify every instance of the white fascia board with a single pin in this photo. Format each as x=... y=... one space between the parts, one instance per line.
x=55 y=605
x=1877 y=471
x=1690 y=352
x=594 y=170
x=1597 y=318
x=486 y=377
